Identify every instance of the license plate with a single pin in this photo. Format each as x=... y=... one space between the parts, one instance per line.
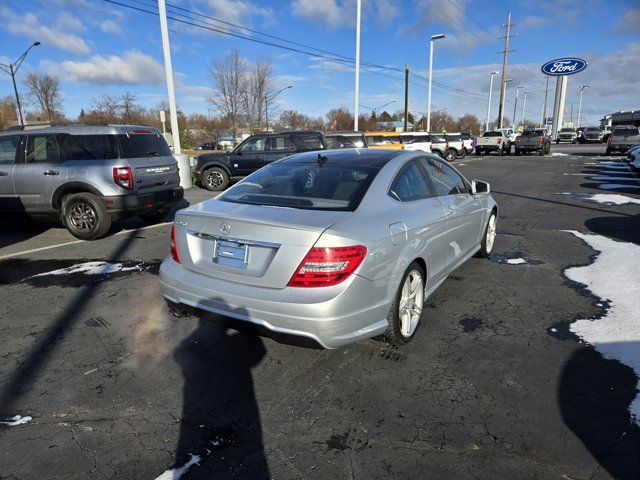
x=231 y=254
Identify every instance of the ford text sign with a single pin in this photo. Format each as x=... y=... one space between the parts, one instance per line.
x=564 y=66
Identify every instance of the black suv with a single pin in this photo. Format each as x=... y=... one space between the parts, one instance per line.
x=215 y=171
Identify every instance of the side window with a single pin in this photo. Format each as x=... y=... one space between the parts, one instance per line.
x=410 y=184
x=43 y=149
x=8 y=148
x=280 y=144
x=88 y=147
x=445 y=180
x=256 y=144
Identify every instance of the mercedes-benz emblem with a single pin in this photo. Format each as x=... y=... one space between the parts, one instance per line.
x=225 y=229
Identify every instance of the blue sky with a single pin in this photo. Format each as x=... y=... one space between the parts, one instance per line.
x=96 y=48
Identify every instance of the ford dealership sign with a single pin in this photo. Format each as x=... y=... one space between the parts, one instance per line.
x=564 y=66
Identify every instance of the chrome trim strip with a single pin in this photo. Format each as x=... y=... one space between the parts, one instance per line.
x=254 y=243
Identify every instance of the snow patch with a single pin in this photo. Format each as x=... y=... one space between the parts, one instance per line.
x=558 y=154
x=90 y=268
x=604 y=198
x=516 y=261
x=176 y=473
x=17 y=420
x=616 y=335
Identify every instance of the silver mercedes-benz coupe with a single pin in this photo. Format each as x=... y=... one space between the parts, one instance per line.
x=337 y=246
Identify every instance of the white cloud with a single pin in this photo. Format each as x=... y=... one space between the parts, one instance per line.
x=29 y=26
x=240 y=12
x=629 y=22
x=531 y=21
x=342 y=13
x=109 y=26
x=69 y=23
x=132 y=68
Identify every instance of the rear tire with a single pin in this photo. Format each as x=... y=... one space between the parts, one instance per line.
x=478 y=152
x=500 y=151
x=608 y=151
x=85 y=216
x=462 y=153
x=450 y=155
x=516 y=152
x=486 y=246
x=407 y=307
x=541 y=152
x=215 y=179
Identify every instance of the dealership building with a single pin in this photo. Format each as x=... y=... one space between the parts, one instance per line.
x=621 y=118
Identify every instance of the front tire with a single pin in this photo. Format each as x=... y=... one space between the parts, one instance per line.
x=215 y=179
x=406 y=310
x=486 y=246
x=85 y=216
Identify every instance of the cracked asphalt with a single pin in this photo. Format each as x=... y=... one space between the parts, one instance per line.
x=493 y=386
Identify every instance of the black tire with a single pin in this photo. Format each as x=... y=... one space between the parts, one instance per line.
x=557 y=142
x=516 y=152
x=541 y=152
x=154 y=217
x=85 y=216
x=394 y=334
x=485 y=250
x=608 y=151
x=215 y=179
x=438 y=153
x=500 y=151
x=478 y=152
x=450 y=155
x=462 y=153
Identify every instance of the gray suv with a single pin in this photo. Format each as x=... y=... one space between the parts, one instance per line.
x=88 y=175
x=622 y=138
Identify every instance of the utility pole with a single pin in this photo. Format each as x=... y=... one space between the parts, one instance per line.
x=515 y=106
x=357 y=86
x=503 y=84
x=12 y=69
x=175 y=133
x=433 y=39
x=543 y=123
x=580 y=105
x=486 y=125
x=406 y=96
x=572 y=114
x=524 y=106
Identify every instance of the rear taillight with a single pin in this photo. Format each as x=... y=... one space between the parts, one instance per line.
x=123 y=177
x=499 y=141
x=326 y=266
x=541 y=140
x=609 y=141
x=174 y=246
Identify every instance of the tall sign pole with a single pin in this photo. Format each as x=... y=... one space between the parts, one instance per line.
x=503 y=85
x=175 y=133
x=357 y=86
x=406 y=97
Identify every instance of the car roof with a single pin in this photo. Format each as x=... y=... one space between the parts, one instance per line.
x=343 y=134
x=376 y=158
x=382 y=134
x=296 y=132
x=81 y=129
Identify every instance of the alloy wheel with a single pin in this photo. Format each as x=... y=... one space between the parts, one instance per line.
x=82 y=217
x=215 y=179
x=411 y=303
x=491 y=233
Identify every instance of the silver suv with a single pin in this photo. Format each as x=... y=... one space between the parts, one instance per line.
x=622 y=138
x=88 y=175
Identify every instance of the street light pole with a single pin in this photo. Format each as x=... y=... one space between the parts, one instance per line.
x=271 y=96
x=486 y=125
x=580 y=105
x=524 y=106
x=168 y=71
x=504 y=99
x=357 y=86
x=12 y=69
x=515 y=106
x=374 y=110
x=433 y=39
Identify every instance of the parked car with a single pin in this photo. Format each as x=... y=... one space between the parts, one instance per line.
x=384 y=140
x=634 y=160
x=416 y=141
x=206 y=146
x=345 y=140
x=622 y=138
x=88 y=176
x=216 y=171
x=364 y=240
x=497 y=141
x=456 y=143
x=467 y=142
x=533 y=141
x=606 y=133
x=440 y=147
x=632 y=151
x=510 y=133
x=566 y=134
x=591 y=135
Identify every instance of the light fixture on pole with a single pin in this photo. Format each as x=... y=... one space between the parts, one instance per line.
x=433 y=39
x=515 y=106
x=580 y=105
x=357 y=86
x=508 y=80
x=271 y=96
x=12 y=69
x=374 y=110
x=524 y=106
x=486 y=125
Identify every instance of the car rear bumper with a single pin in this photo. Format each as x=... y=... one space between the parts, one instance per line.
x=136 y=204
x=529 y=148
x=352 y=311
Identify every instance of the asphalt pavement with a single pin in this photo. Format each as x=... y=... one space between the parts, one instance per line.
x=493 y=386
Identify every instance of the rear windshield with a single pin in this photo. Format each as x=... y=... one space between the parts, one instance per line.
x=533 y=133
x=143 y=145
x=625 y=131
x=454 y=138
x=567 y=130
x=466 y=136
x=307 y=186
x=592 y=129
x=492 y=134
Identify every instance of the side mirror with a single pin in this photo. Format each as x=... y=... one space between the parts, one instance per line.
x=478 y=186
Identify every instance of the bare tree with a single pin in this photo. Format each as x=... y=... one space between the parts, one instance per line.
x=128 y=107
x=230 y=87
x=469 y=123
x=44 y=93
x=441 y=121
x=339 y=119
x=105 y=109
x=259 y=83
x=7 y=111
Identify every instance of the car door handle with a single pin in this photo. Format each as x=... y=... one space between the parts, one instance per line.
x=51 y=172
x=4 y=174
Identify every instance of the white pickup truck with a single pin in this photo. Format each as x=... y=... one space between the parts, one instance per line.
x=497 y=141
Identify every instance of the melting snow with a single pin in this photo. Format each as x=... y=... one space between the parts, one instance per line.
x=90 y=268
x=17 y=420
x=558 y=154
x=176 y=473
x=604 y=198
x=617 y=333
x=516 y=261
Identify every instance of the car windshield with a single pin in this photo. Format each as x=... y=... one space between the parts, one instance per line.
x=307 y=186
x=492 y=134
x=592 y=129
x=454 y=138
x=569 y=130
x=626 y=131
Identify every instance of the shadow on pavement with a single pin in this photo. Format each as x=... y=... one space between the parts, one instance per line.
x=594 y=395
x=620 y=228
x=220 y=417
x=19 y=228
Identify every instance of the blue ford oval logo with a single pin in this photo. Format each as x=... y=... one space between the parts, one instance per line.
x=564 y=66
